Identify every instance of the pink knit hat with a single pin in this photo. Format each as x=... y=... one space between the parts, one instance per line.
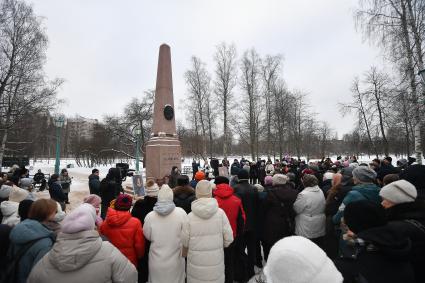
x=80 y=219
x=93 y=199
x=268 y=180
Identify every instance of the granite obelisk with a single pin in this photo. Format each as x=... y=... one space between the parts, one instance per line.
x=163 y=150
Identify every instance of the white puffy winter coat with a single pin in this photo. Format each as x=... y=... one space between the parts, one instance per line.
x=9 y=209
x=310 y=209
x=166 y=263
x=205 y=235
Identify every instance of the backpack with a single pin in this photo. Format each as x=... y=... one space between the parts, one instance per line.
x=10 y=272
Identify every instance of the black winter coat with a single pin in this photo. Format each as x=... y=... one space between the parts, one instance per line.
x=183 y=197
x=250 y=201
x=56 y=193
x=279 y=214
x=383 y=259
x=409 y=218
x=4 y=244
x=94 y=184
x=109 y=190
x=326 y=186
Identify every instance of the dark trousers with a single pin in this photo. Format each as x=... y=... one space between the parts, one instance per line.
x=266 y=250
x=249 y=243
x=229 y=262
x=103 y=210
x=259 y=258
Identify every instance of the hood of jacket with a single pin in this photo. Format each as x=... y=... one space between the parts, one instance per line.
x=164 y=207
x=29 y=230
x=93 y=177
x=387 y=241
x=73 y=251
x=369 y=191
x=9 y=207
x=314 y=189
x=205 y=208
x=5 y=191
x=117 y=218
x=223 y=191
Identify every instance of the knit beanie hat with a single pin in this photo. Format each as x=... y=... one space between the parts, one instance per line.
x=93 y=199
x=279 y=179
x=80 y=219
x=221 y=180
x=18 y=194
x=400 y=191
x=268 y=180
x=123 y=202
x=243 y=175
x=364 y=174
x=24 y=208
x=203 y=189
x=151 y=188
x=5 y=191
x=363 y=215
x=310 y=180
x=25 y=183
x=199 y=176
x=165 y=193
x=297 y=259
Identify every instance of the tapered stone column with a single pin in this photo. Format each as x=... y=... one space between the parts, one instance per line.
x=163 y=150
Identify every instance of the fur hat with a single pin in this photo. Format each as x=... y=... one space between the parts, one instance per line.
x=80 y=219
x=268 y=180
x=123 y=202
x=363 y=215
x=259 y=187
x=165 y=193
x=199 y=176
x=221 y=180
x=279 y=179
x=203 y=189
x=364 y=174
x=151 y=188
x=18 y=194
x=297 y=259
x=94 y=200
x=400 y=191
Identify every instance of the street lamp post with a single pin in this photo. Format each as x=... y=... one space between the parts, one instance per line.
x=138 y=131
x=59 y=122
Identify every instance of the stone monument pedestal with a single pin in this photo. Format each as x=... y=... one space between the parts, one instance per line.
x=162 y=153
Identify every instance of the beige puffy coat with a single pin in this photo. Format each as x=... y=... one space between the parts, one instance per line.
x=206 y=235
x=83 y=257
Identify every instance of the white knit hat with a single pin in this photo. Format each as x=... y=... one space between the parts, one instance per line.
x=280 y=179
x=82 y=218
x=400 y=191
x=328 y=176
x=298 y=260
x=165 y=193
x=152 y=191
x=203 y=189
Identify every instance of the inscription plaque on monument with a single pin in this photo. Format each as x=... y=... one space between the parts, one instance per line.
x=163 y=150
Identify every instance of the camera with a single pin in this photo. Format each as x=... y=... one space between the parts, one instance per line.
x=124 y=170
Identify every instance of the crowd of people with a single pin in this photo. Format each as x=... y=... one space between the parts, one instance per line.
x=283 y=221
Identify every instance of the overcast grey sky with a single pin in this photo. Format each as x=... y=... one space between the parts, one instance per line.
x=107 y=50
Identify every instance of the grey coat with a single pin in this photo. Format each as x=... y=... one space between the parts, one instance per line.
x=83 y=257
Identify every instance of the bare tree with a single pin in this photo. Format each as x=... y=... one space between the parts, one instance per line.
x=23 y=85
x=225 y=81
x=198 y=82
x=270 y=73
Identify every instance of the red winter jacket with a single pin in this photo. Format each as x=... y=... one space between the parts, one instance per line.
x=124 y=232
x=231 y=204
